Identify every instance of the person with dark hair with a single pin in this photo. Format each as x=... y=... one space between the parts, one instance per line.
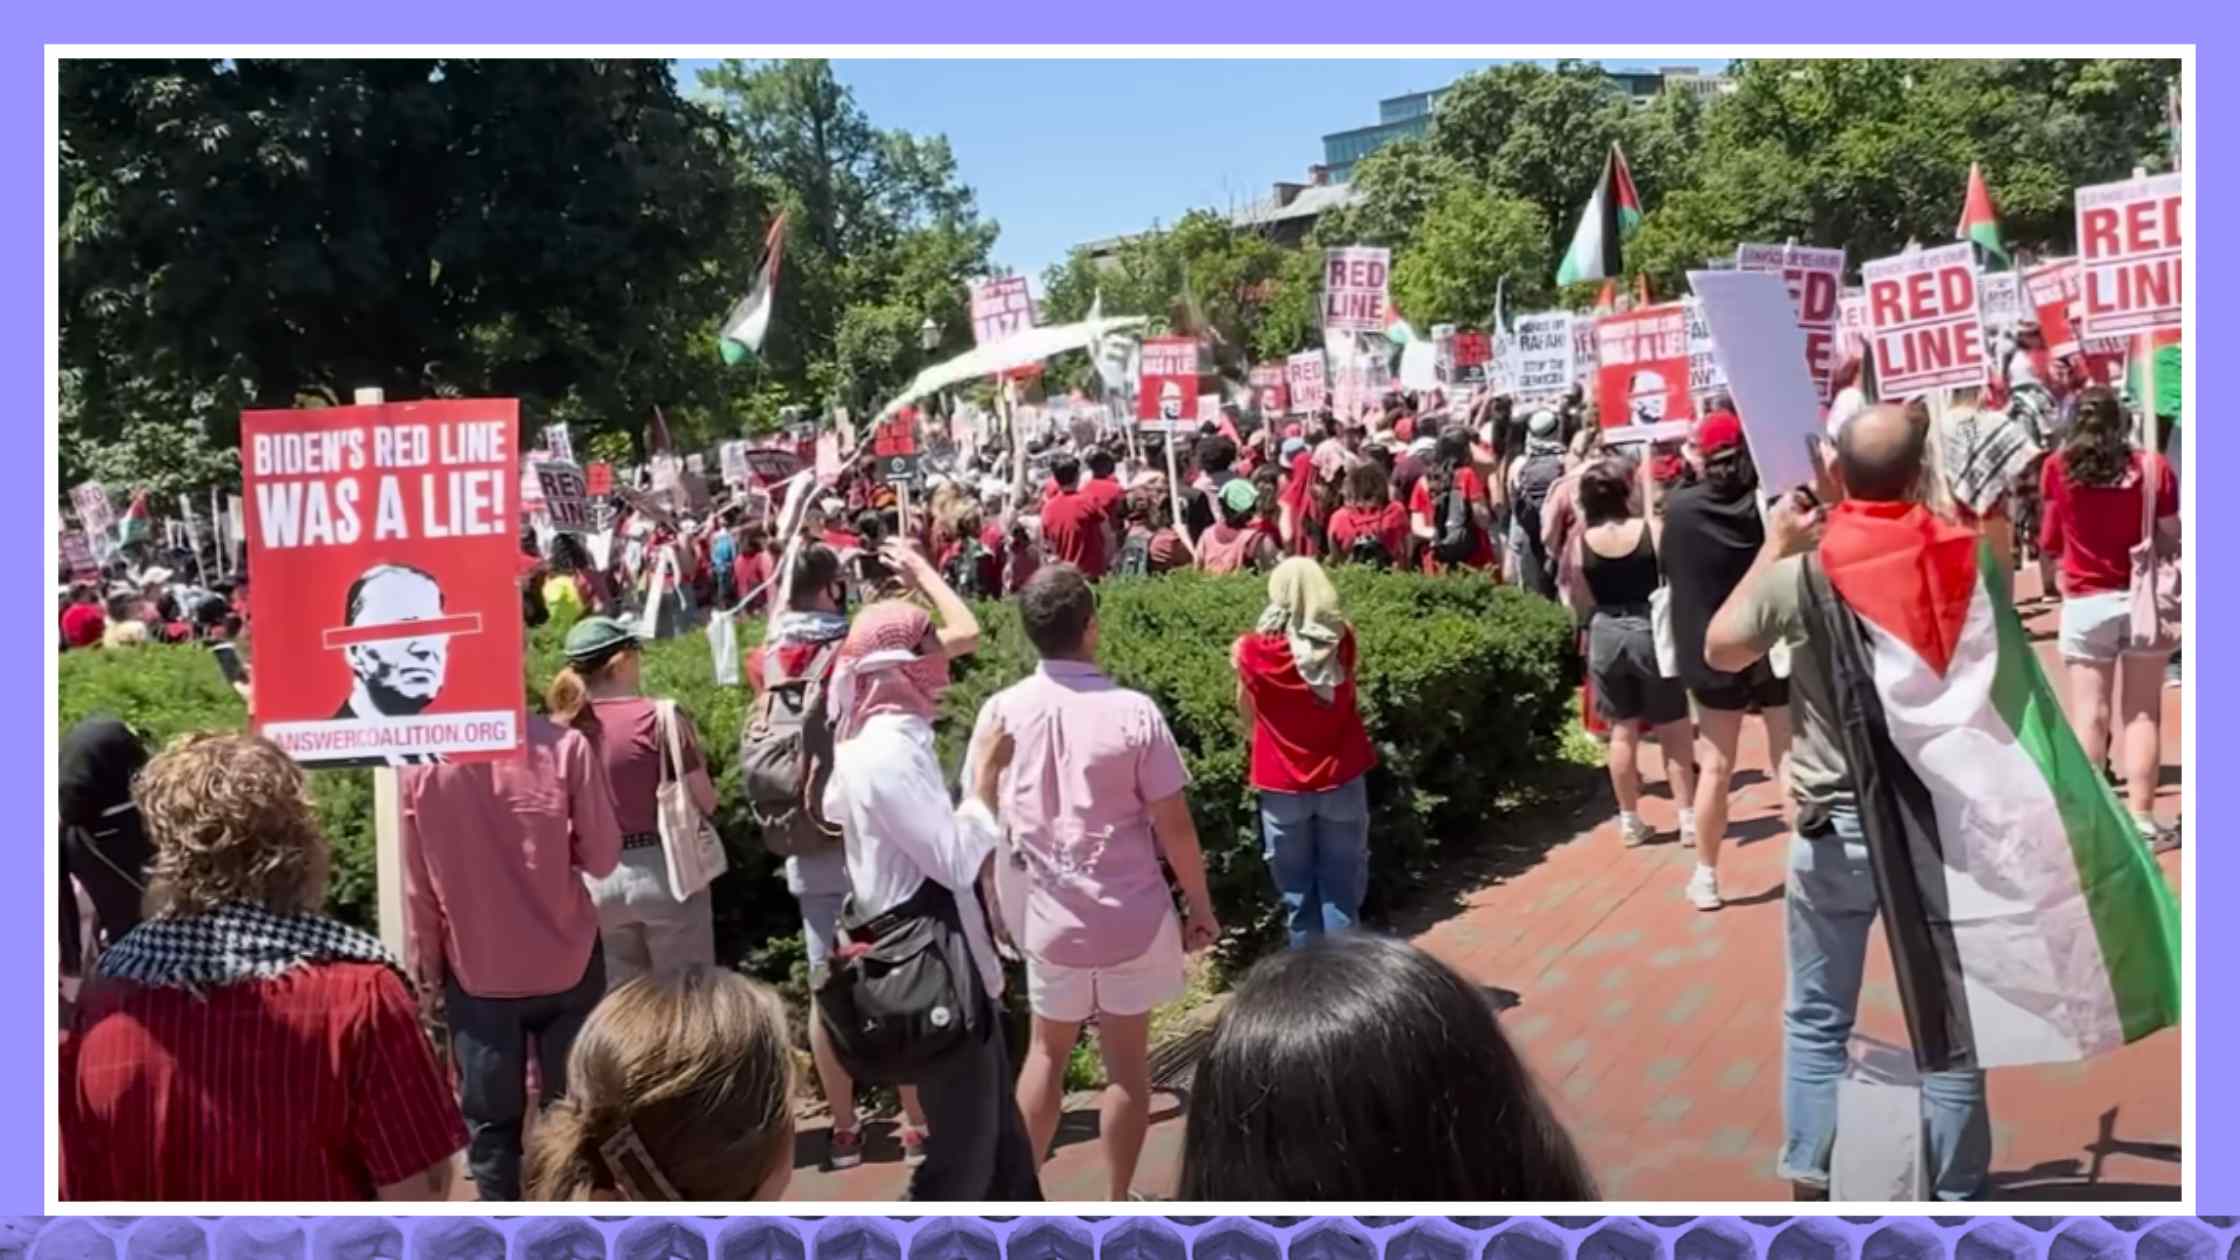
x=1361 y=1069
x=104 y=839
x=1830 y=898
x=2095 y=490
x=1094 y=800
x=1712 y=533
x=82 y=622
x=1619 y=564
x=1450 y=512
x=1297 y=675
x=1370 y=528
x=1151 y=544
x=1102 y=488
x=1074 y=529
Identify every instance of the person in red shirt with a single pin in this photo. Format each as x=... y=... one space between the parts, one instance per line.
x=1369 y=513
x=1451 y=469
x=82 y=622
x=1104 y=492
x=238 y=1044
x=1311 y=754
x=2094 y=512
x=1073 y=529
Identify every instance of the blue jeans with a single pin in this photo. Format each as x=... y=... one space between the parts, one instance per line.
x=1831 y=908
x=1317 y=846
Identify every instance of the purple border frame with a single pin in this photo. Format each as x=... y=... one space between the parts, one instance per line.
x=1702 y=27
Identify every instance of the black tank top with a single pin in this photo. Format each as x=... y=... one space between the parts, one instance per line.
x=1625 y=581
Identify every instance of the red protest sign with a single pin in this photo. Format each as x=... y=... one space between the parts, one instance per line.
x=1924 y=324
x=1271 y=392
x=894 y=446
x=387 y=612
x=2131 y=250
x=1308 y=382
x=769 y=465
x=599 y=480
x=1472 y=349
x=77 y=556
x=1166 y=397
x=1815 y=279
x=1642 y=373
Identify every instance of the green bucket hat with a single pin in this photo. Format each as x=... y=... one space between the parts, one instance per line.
x=1240 y=495
x=594 y=639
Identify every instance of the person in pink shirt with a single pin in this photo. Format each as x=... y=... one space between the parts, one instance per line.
x=499 y=922
x=1092 y=800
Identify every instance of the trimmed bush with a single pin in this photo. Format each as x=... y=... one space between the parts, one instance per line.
x=1464 y=686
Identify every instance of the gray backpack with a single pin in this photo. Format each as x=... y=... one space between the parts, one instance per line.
x=785 y=757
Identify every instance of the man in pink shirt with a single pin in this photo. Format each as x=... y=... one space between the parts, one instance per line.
x=498 y=921
x=1093 y=799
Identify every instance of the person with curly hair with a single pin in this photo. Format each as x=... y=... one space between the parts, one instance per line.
x=239 y=1044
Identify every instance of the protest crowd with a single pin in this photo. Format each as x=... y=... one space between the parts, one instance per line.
x=557 y=1011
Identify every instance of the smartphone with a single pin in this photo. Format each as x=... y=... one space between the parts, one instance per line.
x=229 y=662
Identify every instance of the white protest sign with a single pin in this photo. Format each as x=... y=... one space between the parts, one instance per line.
x=1925 y=326
x=1761 y=349
x=1704 y=375
x=1354 y=288
x=1542 y=350
x=95 y=512
x=1999 y=295
x=1814 y=277
x=567 y=500
x=1851 y=325
x=1310 y=384
x=1419 y=366
x=2131 y=247
x=1001 y=307
x=558 y=444
x=734 y=457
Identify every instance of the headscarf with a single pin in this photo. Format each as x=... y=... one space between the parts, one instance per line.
x=883 y=667
x=1303 y=608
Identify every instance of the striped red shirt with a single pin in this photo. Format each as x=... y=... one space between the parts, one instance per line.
x=318 y=1085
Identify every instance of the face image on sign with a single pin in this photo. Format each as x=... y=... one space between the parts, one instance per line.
x=397 y=641
x=1647 y=398
x=1170 y=402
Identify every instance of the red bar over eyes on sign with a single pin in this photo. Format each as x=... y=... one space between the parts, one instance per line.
x=392 y=631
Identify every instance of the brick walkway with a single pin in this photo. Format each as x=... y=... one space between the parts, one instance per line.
x=1657 y=1028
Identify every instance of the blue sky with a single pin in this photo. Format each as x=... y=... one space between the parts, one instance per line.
x=1063 y=152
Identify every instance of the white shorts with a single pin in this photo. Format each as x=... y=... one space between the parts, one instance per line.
x=1072 y=994
x=2096 y=628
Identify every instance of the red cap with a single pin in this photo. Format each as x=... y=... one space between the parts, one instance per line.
x=1717 y=432
x=1667 y=468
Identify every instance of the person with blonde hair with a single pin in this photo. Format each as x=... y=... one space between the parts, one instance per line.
x=1311 y=756
x=238 y=1044
x=681 y=1090
x=654 y=910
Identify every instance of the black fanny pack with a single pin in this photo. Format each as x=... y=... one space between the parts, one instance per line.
x=902 y=990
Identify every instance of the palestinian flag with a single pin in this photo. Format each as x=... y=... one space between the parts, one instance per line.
x=1979 y=223
x=2026 y=920
x=1611 y=216
x=749 y=321
x=137 y=523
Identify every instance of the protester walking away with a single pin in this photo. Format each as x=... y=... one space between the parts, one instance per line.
x=682 y=1092
x=82 y=622
x=104 y=839
x=655 y=910
x=1361 y=1069
x=1091 y=805
x=928 y=1014
x=1311 y=756
x=785 y=754
x=1713 y=532
x=1152 y=546
x=1450 y=512
x=499 y=922
x=1620 y=564
x=1370 y=529
x=1531 y=476
x=1074 y=528
x=239 y=1045
x=1981 y=453
x=2098 y=492
x=1238 y=542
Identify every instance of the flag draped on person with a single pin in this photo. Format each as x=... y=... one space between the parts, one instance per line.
x=2027 y=921
x=137 y=522
x=1979 y=223
x=749 y=321
x=1611 y=216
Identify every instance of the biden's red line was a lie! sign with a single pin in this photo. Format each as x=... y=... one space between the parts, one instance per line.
x=1924 y=324
x=2131 y=256
x=387 y=604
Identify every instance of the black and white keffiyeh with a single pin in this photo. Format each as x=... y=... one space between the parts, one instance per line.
x=234 y=943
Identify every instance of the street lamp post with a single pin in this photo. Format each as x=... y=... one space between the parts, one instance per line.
x=929 y=335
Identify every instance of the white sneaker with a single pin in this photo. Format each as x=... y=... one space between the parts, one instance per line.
x=1634 y=830
x=1703 y=888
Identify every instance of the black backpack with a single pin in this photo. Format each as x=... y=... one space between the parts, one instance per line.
x=785 y=758
x=1535 y=478
x=1455 y=539
x=1368 y=549
x=964 y=570
x=1135 y=555
x=905 y=993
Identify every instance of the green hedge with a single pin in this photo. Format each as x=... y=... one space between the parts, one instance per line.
x=1464 y=686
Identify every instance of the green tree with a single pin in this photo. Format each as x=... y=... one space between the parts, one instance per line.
x=1471 y=239
x=262 y=233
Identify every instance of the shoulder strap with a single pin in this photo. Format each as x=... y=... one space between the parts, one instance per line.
x=672 y=744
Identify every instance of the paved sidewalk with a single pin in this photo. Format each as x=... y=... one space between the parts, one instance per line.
x=1657 y=1028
